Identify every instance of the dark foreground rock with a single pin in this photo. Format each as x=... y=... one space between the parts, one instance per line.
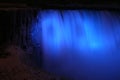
x=11 y=67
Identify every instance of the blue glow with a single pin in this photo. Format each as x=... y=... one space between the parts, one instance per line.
x=75 y=35
x=74 y=27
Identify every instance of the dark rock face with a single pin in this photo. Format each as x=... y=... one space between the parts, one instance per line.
x=4 y=54
x=11 y=67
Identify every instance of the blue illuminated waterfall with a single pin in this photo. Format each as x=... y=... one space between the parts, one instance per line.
x=79 y=37
x=74 y=29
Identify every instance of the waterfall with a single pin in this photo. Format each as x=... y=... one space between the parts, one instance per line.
x=79 y=43
x=75 y=29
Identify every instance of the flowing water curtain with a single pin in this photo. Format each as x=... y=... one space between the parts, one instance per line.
x=57 y=29
x=116 y=28
x=67 y=25
x=15 y=32
x=27 y=14
x=109 y=25
x=25 y=18
x=96 y=34
x=82 y=29
x=51 y=28
x=85 y=31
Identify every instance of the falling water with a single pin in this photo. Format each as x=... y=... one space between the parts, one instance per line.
x=81 y=44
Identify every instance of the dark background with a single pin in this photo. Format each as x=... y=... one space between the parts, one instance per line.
x=62 y=3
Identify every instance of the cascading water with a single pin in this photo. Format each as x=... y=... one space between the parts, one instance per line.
x=79 y=43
